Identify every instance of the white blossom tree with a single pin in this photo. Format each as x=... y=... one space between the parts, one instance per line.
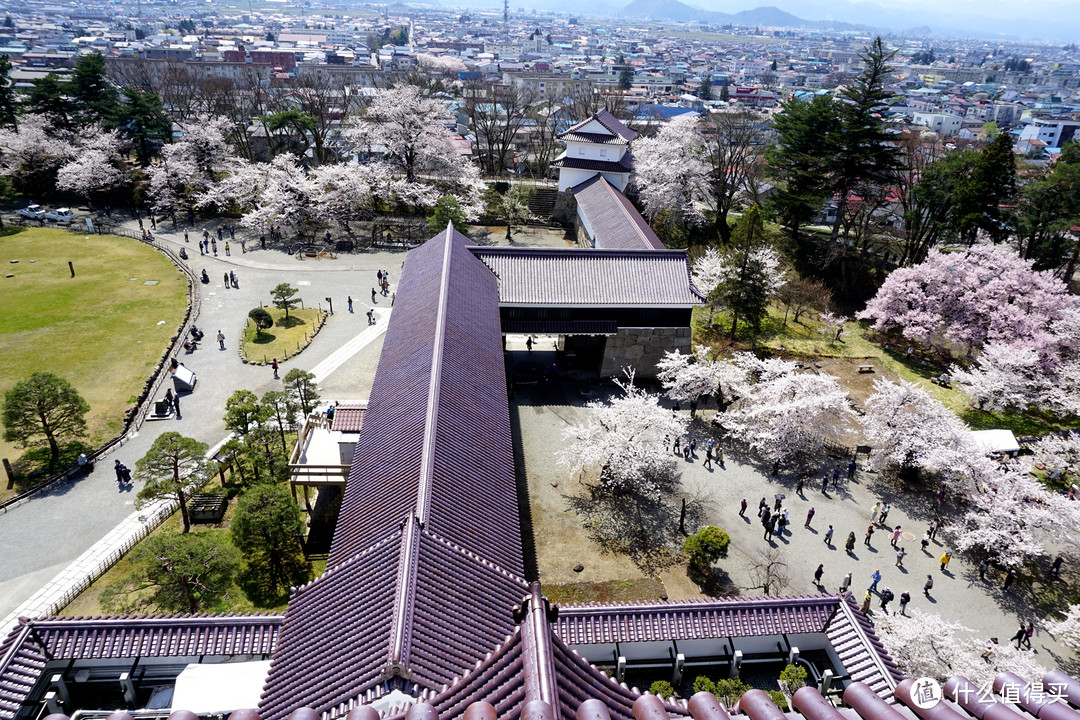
x=441 y=64
x=407 y=129
x=672 y=172
x=706 y=272
x=626 y=441
x=1067 y=630
x=832 y=325
x=189 y=166
x=95 y=166
x=910 y=429
x=32 y=155
x=280 y=192
x=925 y=645
x=687 y=377
x=1009 y=514
x=786 y=412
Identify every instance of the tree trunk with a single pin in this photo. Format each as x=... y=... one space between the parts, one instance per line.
x=183 y=509
x=682 y=519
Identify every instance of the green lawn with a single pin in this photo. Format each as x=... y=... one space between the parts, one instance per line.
x=285 y=339
x=103 y=330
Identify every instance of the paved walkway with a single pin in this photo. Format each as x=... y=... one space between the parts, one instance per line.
x=44 y=541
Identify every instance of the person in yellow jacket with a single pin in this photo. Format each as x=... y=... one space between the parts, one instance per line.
x=945 y=560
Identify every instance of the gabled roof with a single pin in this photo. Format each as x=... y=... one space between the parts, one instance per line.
x=422 y=575
x=34 y=643
x=611 y=217
x=348 y=418
x=608 y=121
x=591 y=277
x=596 y=138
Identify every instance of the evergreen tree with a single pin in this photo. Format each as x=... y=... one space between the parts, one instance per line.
x=141 y=118
x=7 y=96
x=980 y=194
x=267 y=528
x=93 y=93
x=724 y=91
x=751 y=273
x=705 y=91
x=802 y=157
x=47 y=406
x=49 y=98
x=865 y=153
x=626 y=77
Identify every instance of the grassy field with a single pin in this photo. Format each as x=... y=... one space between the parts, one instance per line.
x=103 y=330
x=284 y=339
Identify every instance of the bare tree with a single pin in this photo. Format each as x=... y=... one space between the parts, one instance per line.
x=543 y=147
x=497 y=113
x=734 y=142
x=768 y=571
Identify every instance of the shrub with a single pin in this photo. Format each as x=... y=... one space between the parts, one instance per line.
x=778 y=697
x=706 y=546
x=730 y=690
x=263 y=320
x=792 y=678
x=662 y=688
x=704 y=684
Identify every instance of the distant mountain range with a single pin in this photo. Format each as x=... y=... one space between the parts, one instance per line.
x=1040 y=20
x=763 y=16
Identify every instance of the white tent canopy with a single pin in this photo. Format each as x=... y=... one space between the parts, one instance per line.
x=220 y=687
x=991 y=441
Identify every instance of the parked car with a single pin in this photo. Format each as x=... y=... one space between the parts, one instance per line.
x=33 y=212
x=61 y=215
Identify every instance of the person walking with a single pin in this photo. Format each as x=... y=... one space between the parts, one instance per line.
x=869 y=533
x=373 y=295
x=799 y=485
x=900 y=557
x=1019 y=636
x=770 y=524
x=371 y=316
x=719 y=452
x=828 y=536
x=884 y=514
x=708 y=457
x=1028 y=632
x=934 y=525
x=850 y=544
x=228 y=252
x=1055 y=568
x=866 y=603
x=895 y=536
x=818 y=573
x=851 y=470
x=928 y=585
x=221 y=339
x=809 y=517
x=845 y=583
x=925 y=540
x=1009 y=577
x=824 y=484
x=119 y=468
x=761 y=505
x=875 y=578
x=886 y=597
x=983 y=564
x=874 y=512
x=349 y=300
x=944 y=559
x=213 y=246
x=243 y=246
x=274 y=364
x=176 y=404
x=742 y=508
x=905 y=598
x=836 y=475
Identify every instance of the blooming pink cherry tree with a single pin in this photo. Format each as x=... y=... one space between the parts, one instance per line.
x=94 y=168
x=786 y=412
x=1067 y=630
x=626 y=441
x=672 y=172
x=188 y=166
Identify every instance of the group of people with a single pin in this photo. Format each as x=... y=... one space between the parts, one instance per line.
x=688 y=447
x=123 y=474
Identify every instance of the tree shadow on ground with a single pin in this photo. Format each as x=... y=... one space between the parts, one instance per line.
x=813 y=467
x=288 y=322
x=32 y=467
x=714 y=583
x=643 y=529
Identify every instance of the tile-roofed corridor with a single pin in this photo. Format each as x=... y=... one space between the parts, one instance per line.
x=611 y=218
x=423 y=613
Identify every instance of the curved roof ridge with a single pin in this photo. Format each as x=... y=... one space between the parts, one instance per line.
x=759 y=600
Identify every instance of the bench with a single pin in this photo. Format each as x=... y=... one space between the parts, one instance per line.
x=866 y=368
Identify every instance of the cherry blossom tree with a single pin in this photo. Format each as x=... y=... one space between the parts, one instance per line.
x=1060 y=452
x=908 y=428
x=672 y=172
x=786 y=412
x=441 y=64
x=95 y=168
x=926 y=645
x=687 y=377
x=832 y=325
x=280 y=192
x=1067 y=630
x=32 y=155
x=707 y=271
x=190 y=165
x=960 y=302
x=626 y=440
x=407 y=128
